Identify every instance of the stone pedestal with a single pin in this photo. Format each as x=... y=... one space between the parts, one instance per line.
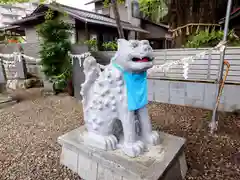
x=162 y=162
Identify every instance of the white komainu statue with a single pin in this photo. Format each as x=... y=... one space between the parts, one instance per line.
x=114 y=100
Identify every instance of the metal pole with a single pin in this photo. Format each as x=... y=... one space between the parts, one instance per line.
x=213 y=124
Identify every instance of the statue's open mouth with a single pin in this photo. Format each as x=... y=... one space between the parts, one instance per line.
x=145 y=59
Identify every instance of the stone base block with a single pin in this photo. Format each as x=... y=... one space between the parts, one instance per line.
x=162 y=162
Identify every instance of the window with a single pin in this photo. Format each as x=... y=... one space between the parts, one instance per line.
x=109 y=37
x=100 y=11
x=135 y=9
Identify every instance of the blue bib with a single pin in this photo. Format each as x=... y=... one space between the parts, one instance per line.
x=136 y=84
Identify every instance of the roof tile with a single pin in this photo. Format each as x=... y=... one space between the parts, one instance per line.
x=93 y=17
x=82 y=15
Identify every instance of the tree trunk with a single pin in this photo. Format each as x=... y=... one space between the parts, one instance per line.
x=193 y=11
x=117 y=18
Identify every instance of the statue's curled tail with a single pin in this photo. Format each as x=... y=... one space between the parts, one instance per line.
x=91 y=71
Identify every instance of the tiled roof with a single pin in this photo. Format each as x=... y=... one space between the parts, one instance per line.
x=92 y=17
x=8 y=28
x=15 y=29
x=87 y=16
x=27 y=18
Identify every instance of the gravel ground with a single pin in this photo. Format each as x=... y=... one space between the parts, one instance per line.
x=209 y=157
x=28 y=134
x=29 y=129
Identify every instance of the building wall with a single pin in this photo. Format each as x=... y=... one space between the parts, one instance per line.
x=235 y=24
x=132 y=35
x=81 y=36
x=157 y=32
x=10 y=13
x=99 y=8
x=133 y=20
x=122 y=12
x=94 y=31
x=31 y=35
x=125 y=12
x=157 y=35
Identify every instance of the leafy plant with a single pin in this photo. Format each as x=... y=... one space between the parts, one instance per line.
x=55 y=46
x=110 y=46
x=155 y=10
x=106 y=3
x=210 y=39
x=92 y=44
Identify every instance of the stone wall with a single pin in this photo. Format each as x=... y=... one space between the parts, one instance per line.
x=194 y=94
x=31 y=34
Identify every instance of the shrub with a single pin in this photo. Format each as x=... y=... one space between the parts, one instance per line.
x=211 y=39
x=54 y=48
x=110 y=46
x=92 y=44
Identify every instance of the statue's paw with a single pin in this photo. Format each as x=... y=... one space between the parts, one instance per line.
x=133 y=149
x=153 y=138
x=111 y=142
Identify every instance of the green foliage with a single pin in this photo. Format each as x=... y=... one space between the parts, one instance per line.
x=156 y=10
x=49 y=14
x=55 y=47
x=60 y=82
x=107 y=46
x=92 y=44
x=211 y=39
x=106 y=3
x=110 y=46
